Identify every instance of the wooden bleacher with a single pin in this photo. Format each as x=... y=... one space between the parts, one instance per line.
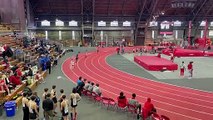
x=12 y=43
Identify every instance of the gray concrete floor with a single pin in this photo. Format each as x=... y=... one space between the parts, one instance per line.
x=87 y=110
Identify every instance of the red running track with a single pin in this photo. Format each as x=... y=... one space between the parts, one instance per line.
x=178 y=103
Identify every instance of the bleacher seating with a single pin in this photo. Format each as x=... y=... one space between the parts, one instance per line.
x=9 y=41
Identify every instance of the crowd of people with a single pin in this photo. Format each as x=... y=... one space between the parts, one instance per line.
x=14 y=75
x=50 y=102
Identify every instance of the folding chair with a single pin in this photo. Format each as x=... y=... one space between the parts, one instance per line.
x=105 y=102
x=122 y=107
x=84 y=92
x=112 y=103
x=96 y=97
x=132 y=108
x=155 y=116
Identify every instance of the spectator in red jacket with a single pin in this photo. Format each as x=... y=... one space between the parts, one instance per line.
x=19 y=73
x=148 y=109
x=15 y=80
x=122 y=101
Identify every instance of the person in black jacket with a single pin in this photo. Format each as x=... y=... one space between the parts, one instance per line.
x=47 y=106
x=48 y=65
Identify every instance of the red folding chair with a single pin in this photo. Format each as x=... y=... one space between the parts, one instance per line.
x=121 y=106
x=163 y=117
x=96 y=97
x=105 y=102
x=89 y=94
x=84 y=92
x=155 y=116
x=132 y=108
x=112 y=102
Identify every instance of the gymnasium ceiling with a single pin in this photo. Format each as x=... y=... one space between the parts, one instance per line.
x=125 y=9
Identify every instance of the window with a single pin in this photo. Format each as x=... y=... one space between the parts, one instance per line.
x=203 y=23
x=101 y=23
x=114 y=23
x=127 y=23
x=153 y=23
x=45 y=23
x=177 y=23
x=211 y=24
x=73 y=23
x=59 y=23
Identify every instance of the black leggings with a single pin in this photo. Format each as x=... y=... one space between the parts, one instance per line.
x=25 y=114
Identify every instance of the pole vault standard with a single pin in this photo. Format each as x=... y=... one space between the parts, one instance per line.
x=205 y=34
x=189 y=33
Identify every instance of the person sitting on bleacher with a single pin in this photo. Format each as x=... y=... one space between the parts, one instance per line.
x=15 y=80
x=14 y=68
x=39 y=77
x=18 y=71
x=122 y=101
x=5 y=63
x=7 y=81
x=97 y=90
x=3 y=85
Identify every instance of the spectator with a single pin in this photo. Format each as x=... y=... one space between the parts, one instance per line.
x=48 y=65
x=30 y=72
x=135 y=103
x=3 y=85
x=33 y=108
x=91 y=87
x=18 y=71
x=122 y=101
x=64 y=108
x=48 y=106
x=80 y=87
x=39 y=77
x=97 y=90
x=148 y=109
x=87 y=85
x=25 y=106
x=79 y=81
x=14 y=68
x=15 y=80
x=75 y=98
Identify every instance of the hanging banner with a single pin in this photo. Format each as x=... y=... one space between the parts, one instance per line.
x=166 y=28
